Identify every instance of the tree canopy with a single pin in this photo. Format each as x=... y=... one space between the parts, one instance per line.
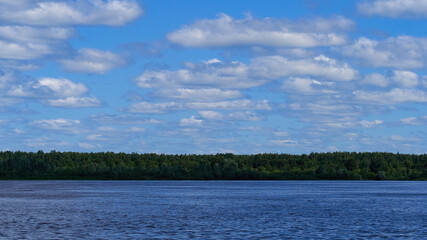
x=267 y=166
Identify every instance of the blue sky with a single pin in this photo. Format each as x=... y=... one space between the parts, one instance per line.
x=200 y=76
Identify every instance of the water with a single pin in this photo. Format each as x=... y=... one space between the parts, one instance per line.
x=212 y=210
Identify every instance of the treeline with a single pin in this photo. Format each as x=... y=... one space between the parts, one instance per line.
x=120 y=166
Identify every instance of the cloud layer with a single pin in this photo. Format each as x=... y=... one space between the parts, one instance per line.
x=226 y=31
x=394 y=8
x=57 y=13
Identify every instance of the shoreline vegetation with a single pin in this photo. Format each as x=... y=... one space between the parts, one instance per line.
x=222 y=166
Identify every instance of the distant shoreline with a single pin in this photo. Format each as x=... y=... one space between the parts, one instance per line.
x=224 y=166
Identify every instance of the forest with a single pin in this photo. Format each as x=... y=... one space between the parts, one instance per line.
x=224 y=166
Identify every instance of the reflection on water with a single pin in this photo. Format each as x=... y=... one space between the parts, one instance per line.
x=212 y=209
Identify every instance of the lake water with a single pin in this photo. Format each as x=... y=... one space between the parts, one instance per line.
x=212 y=210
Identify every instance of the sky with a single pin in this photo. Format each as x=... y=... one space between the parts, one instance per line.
x=204 y=77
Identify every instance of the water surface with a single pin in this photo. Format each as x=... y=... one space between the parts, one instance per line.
x=212 y=210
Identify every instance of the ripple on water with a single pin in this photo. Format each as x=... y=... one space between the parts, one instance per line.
x=212 y=210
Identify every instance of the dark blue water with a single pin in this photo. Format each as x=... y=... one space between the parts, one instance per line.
x=212 y=210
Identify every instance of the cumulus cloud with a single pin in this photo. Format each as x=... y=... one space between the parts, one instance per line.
x=203 y=94
x=93 y=61
x=48 y=88
x=57 y=92
x=274 y=67
x=394 y=96
x=281 y=134
x=54 y=13
x=376 y=79
x=23 y=51
x=305 y=86
x=414 y=120
x=365 y=123
x=397 y=52
x=35 y=34
x=63 y=125
x=232 y=116
x=191 y=122
x=284 y=142
x=230 y=105
x=405 y=78
x=62 y=87
x=245 y=116
x=73 y=102
x=123 y=119
x=147 y=107
x=239 y=75
x=228 y=32
x=88 y=145
x=209 y=73
x=404 y=139
x=16 y=65
x=394 y=8
x=211 y=115
x=323 y=107
x=27 y=43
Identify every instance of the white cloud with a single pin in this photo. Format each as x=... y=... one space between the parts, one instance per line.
x=281 y=134
x=228 y=32
x=56 y=92
x=404 y=139
x=125 y=119
x=96 y=137
x=5 y=79
x=232 y=116
x=409 y=120
x=424 y=81
x=305 y=86
x=324 y=107
x=62 y=87
x=376 y=79
x=211 y=115
x=405 y=78
x=394 y=8
x=23 y=51
x=230 y=105
x=18 y=65
x=57 y=124
x=394 y=96
x=244 y=116
x=191 y=122
x=54 y=13
x=136 y=130
x=29 y=43
x=218 y=74
x=48 y=88
x=87 y=145
x=203 y=94
x=239 y=75
x=274 y=67
x=284 y=142
x=397 y=52
x=93 y=61
x=73 y=102
x=35 y=34
x=18 y=131
x=414 y=120
x=365 y=123
x=147 y=107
